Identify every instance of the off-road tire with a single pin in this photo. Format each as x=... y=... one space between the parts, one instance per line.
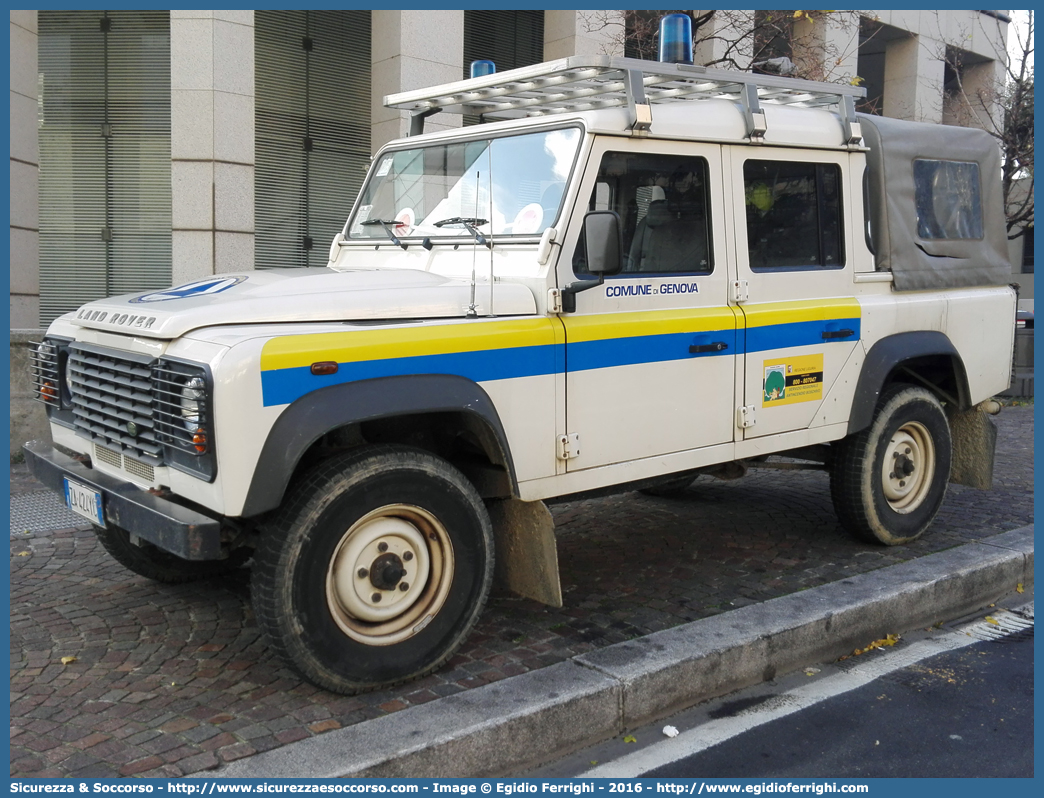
x=888 y=481
x=158 y=565
x=315 y=586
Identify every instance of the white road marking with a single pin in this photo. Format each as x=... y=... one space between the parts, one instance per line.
x=874 y=666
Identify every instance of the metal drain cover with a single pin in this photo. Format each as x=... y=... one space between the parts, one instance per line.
x=42 y=511
x=1004 y=626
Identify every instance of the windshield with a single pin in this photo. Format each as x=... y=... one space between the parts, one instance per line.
x=511 y=185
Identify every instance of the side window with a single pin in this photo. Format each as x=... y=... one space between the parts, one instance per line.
x=947 y=198
x=793 y=215
x=663 y=203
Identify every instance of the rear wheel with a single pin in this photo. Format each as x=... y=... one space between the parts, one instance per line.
x=376 y=571
x=888 y=481
x=158 y=565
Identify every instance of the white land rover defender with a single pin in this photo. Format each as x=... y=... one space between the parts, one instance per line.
x=628 y=274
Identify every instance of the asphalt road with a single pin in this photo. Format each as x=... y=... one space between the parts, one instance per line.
x=899 y=712
x=965 y=714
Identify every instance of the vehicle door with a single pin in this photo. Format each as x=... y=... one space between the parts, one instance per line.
x=800 y=319
x=651 y=353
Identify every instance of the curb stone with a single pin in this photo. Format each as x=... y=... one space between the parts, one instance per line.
x=525 y=720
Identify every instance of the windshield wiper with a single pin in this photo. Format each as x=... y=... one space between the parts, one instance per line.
x=384 y=223
x=468 y=225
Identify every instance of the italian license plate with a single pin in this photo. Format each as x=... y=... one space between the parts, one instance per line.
x=84 y=501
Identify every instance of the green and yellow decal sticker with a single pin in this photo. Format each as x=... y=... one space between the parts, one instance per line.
x=793 y=380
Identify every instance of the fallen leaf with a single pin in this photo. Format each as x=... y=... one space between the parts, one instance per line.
x=630 y=739
x=594 y=761
x=811 y=671
x=68 y=660
x=994 y=621
x=888 y=640
x=23 y=554
x=670 y=731
x=1019 y=588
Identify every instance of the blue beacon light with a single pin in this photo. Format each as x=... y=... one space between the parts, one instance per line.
x=676 y=39
x=482 y=67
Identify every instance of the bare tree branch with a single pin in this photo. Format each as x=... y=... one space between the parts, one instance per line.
x=1003 y=107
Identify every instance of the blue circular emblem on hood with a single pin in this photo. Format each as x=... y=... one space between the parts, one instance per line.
x=211 y=285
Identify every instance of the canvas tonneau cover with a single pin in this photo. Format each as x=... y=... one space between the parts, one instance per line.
x=936 y=206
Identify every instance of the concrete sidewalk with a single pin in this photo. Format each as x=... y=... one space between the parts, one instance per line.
x=174 y=680
x=528 y=720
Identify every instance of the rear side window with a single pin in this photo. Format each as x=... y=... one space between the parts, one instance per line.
x=793 y=215
x=948 y=200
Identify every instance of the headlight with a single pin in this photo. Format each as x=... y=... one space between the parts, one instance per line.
x=47 y=361
x=44 y=360
x=191 y=394
x=183 y=415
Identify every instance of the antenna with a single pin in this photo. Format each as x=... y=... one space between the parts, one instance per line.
x=472 y=313
x=489 y=157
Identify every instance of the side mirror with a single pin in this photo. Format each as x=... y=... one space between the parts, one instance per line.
x=603 y=243
x=603 y=239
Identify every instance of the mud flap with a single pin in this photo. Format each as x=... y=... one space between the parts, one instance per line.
x=526 y=558
x=974 y=444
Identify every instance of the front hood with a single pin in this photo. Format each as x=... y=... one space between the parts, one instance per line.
x=298 y=295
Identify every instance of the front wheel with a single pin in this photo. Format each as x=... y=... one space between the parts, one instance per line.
x=376 y=571
x=888 y=481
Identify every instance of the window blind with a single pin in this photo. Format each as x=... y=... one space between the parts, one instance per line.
x=104 y=135
x=312 y=134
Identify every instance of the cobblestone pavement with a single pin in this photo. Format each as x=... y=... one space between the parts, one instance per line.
x=172 y=680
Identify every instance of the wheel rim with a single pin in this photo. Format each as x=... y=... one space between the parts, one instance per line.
x=389 y=575
x=908 y=467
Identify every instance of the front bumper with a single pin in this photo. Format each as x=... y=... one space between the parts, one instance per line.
x=179 y=530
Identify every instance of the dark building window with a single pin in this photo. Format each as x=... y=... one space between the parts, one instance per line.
x=104 y=134
x=312 y=130
x=509 y=39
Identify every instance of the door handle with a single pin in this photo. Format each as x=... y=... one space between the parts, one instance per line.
x=717 y=346
x=838 y=333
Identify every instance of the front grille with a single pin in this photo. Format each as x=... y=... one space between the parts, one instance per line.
x=43 y=365
x=139 y=469
x=106 y=455
x=112 y=399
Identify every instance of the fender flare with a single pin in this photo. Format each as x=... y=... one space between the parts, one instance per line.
x=307 y=419
x=883 y=358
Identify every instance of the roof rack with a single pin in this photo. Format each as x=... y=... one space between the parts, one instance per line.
x=586 y=83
